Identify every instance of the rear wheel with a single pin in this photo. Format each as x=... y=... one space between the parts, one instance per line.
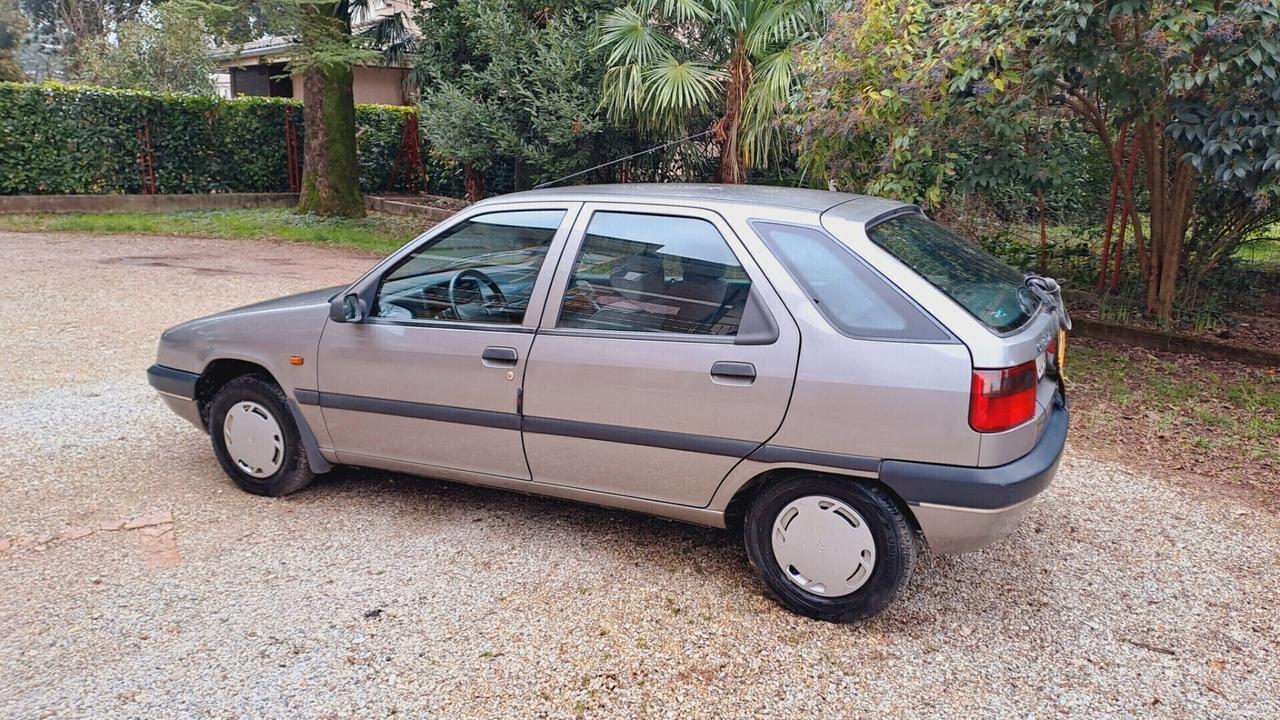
x=256 y=439
x=830 y=548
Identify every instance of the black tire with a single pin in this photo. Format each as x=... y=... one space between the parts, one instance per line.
x=294 y=472
x=896 y=547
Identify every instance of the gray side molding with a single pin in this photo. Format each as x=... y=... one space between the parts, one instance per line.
x=758 y=326
x=687 y=442
x=781 y=454
x=314 y=458
x=403 y=408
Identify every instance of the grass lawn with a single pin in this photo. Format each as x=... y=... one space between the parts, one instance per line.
x=1261 y=251
x=377 y=233
x=1263 y=246
x=1209 y=418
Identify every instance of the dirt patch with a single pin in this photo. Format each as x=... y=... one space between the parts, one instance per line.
x=159 y=543
x=1207 y=423
x=168 y=262
x=1259 y=328
x=159 y=547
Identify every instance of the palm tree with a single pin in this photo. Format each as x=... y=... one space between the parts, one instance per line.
x=670 y=60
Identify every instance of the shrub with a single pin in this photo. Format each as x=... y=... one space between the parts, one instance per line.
x=59 y=139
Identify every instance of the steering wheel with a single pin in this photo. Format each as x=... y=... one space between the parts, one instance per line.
x=495 y=305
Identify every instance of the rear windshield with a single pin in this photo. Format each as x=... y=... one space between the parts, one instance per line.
x=991 y=291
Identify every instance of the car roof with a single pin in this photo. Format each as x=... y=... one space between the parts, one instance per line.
x=853 y=207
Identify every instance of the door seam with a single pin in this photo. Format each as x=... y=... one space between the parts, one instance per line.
x=533 y=342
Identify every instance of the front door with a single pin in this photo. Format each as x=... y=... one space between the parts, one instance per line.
x=659 y=365
x=433 y=376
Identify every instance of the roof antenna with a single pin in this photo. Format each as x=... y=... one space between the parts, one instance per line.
x=623 y=159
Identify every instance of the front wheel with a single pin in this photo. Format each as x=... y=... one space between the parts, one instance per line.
x=830 y=548
x=256 y=439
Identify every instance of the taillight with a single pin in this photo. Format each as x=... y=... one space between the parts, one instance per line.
x=1001 y=399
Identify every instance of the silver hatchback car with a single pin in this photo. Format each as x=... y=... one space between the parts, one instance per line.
x=838 y=378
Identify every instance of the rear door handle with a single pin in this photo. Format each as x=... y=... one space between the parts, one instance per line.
x=734 y=372
x=500 y=356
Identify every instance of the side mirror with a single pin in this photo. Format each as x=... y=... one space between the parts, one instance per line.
x=347 y=309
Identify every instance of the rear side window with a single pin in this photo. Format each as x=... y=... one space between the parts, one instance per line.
x=655 y=273
x=988 y=289
x=848 y=293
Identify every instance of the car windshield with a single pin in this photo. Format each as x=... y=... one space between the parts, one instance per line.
x=990 y=290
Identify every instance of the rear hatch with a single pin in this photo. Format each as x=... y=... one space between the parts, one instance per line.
x=1015 y=374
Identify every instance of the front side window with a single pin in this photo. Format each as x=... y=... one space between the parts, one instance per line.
x=481 y=270
x=988 y=289
x=848 y=293
x=655 y=273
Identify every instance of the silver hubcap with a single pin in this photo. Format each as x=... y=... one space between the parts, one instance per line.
x=823 y=546
x=253 y=439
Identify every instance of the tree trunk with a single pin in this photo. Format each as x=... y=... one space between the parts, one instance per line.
x=733 y=163
x=330 y=175
x=1106 y=236
x=517 y=175
x=1171 y=186
x=473 y=181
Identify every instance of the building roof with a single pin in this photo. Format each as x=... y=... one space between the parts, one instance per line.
x=271 y=46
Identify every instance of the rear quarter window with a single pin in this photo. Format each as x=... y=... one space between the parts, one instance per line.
x=988 y=289
x=850 y=295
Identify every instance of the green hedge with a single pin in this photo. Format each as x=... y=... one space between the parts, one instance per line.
x=60 y=139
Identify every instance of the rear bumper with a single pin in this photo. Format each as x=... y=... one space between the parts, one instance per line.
x=178 y=390
x=963 y=508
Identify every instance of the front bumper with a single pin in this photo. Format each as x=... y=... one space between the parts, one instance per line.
x=964 y=508
x=178 y=390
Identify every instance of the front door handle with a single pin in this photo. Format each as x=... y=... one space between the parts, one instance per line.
x=499 y=356
x=738 y=373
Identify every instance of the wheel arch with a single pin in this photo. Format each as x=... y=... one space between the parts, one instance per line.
x=736 y=509
x=217 y=373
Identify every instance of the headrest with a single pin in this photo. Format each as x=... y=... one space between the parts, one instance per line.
x=642 y=273
x=702 y=269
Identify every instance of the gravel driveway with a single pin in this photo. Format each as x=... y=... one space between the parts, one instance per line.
x=138 y=582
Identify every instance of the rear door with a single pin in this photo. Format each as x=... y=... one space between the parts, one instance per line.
x=664 y=357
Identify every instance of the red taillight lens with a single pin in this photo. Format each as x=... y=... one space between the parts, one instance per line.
x=1001 y=399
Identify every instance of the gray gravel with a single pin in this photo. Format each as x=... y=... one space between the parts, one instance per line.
x=373 y=595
